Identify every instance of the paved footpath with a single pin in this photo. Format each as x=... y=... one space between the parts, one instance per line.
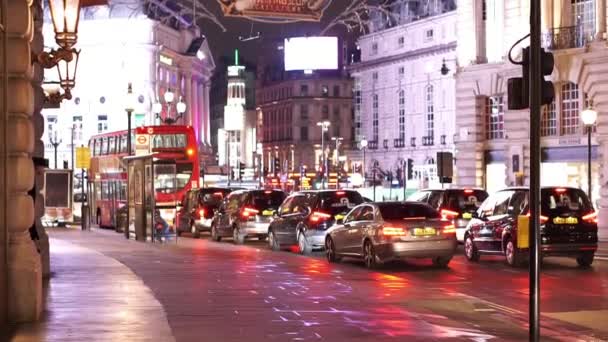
x=92 y=297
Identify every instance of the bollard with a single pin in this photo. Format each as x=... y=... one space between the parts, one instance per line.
x=84 y=217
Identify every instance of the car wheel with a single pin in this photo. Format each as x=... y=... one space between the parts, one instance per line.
x=470 y=250
x=512 y=255
x=214 y=234
x=330 y=250
x=273 y=243
x=305 y=248
x=238 y=238
x=585 y=259
x=441 y=262
x=369 y=255
x=195 y=233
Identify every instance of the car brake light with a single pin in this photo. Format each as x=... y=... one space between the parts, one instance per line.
x=201 y=213
x=340 y=193
x=468 y=191
x=560 y=190
x=268 y=191
x=449 y=214
x=393 y=231
x=218 y=194
x=449 y=229
x=249 y=212
x=543 y=219
x=590 y=218
x=318 y=216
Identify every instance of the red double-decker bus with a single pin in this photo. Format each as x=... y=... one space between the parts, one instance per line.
x=108 y=177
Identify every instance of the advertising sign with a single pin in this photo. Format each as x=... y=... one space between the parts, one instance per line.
x=83 y=158
x=281 y=10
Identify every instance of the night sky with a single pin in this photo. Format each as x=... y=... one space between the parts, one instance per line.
x=224 y=43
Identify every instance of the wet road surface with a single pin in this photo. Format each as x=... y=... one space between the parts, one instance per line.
x=223 y=292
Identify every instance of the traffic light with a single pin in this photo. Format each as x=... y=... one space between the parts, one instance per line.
x=241 y=170
x=518 y=88
x=410 y=168
x=277 y=166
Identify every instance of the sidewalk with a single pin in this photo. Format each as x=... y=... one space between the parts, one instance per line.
x=91 y=297
x=602 y=250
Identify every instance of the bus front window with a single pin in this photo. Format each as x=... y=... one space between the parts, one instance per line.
x=172 y=178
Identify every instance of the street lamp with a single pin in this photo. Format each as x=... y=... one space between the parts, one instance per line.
x=363 y=146
x=55 y=141
x=337 y=140
x=324 y=128
x=589 y=117
x=180 y=107
x=129 y=108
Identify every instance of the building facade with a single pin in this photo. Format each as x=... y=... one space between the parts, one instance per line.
x=492 y=141
x=289 y=106
x=404 y=100
x=120 y=45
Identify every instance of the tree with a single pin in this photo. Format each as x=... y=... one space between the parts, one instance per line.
x=357 y=15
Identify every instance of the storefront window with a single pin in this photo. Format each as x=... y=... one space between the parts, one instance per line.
x=548 y=124
x=570 y=109
x=495 y=125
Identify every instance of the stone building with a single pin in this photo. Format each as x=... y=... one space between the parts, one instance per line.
x=404 y=100
x=492 y=141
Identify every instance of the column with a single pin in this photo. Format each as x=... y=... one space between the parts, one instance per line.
x=187 y=94
x=546 y=18
x=206 y=116
x=24 y=286
x=600 y=19
x=194 y=112
x=203 y=114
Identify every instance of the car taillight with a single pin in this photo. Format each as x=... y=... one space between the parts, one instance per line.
x=449 y=229
x=248 y=213
x=590 y=218
x=201 y=213
x=449 y=214
x=468 y=191
x=318 y=216
x=543 y=219
x=393 y=231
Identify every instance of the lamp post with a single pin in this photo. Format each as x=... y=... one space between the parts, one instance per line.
x=324 y=128
x=129 y=108
x=589 y=117
x=180 y=107
x=363 y=147
x=55 y=142
x=337 y=140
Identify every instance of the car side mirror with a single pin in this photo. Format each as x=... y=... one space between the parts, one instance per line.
x=340 y=221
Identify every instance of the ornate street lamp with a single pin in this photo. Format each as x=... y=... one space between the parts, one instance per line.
x=130 y=102
x=65 y=15
x=589 y=117
x=180 y=107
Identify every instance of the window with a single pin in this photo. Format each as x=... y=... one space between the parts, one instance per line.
x=102 y=123
x=428 y=35
x=325 y=111
x=401 y=42
x=357 y=109
x=336 y=91
x=402 y=115
x=401 y=72
x=111 y=145
x=484 y=10
x=366 y=214
x=584 y=17
x=375 y=135
x=304 y=112
x=548 y=123
x=374 y=48
x=304 y=133
x=169 y=141
x=325 y=91
x=304 y=90
x=570 y=120
x=77 y=125
x=495 y=128
x=123 y=143
x=430 y=114
x=104 y=146
x=375 y=76
x=501 y=205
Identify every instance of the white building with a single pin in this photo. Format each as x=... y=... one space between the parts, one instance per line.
x=493 y=142
x=121 y=44
x=404 y=104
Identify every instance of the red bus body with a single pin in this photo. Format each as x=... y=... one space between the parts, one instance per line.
x=172 y=143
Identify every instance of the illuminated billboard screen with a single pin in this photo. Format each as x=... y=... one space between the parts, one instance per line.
x=311 y=53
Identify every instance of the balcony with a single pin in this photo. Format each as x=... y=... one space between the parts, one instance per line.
x=564 y=38
x=428 y=141
x=372 y=145
x=399 y=143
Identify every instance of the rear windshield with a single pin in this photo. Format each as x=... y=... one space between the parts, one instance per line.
x=400 y=211
x=339 y=202
x=465 y=200
x=558 y=201
x=212 y=196
x=262 y=200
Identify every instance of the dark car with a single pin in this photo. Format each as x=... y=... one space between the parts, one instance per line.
x=456 y=204
x=198 y=208
x=305 y=216
x=382 y=231
x=246 y=213
x=568 y=226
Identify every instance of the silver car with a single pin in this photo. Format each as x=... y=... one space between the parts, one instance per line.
x=380 y=232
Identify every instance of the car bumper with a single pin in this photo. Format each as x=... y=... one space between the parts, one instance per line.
x=416 y=249
x=316 y=238
x=255 y=228
x=203 y=224
x=567 y=249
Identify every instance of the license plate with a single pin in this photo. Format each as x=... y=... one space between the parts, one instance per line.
x=565 y=220
x=267 y=212
x=426 y=231
x=467 y=216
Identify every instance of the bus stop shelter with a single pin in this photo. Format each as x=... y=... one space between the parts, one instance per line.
x=148 y=220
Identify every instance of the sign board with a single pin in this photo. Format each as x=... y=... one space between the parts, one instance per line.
x=285 y=10
x=142 y=144
x=83 y=157
x=58 y=195
x=523 y=231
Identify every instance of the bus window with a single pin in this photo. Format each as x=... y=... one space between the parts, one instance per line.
x=105 y=193
x=169 y=141
x=111 y=145
x=104 y=146
x=123 y=143
x=98 y=191
x=123 y=189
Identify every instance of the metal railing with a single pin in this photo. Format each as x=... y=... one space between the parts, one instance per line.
x=372 y=145
x=428 y=141
x=564 y=38
x=399 y=143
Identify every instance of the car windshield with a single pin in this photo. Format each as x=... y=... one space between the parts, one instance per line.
x=212 y=196
x=402 y=211
x=262 y=200
x=339 y=201
x=558 y=201
x=465 y=200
